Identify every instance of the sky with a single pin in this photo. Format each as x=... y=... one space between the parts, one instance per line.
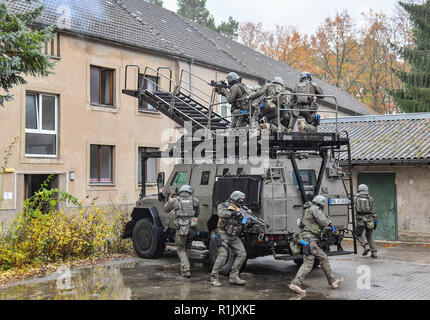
x=306 y=15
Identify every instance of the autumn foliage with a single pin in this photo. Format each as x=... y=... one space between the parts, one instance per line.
x=356 y=57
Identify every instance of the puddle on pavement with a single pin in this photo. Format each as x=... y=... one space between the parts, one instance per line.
x=140 y=280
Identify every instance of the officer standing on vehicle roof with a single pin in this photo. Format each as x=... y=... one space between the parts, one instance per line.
x=313 y=221
x=365 y=220
x=269 y=106
x=235 y=96
x=229 y=228
x=306 y=103
x=186 y=210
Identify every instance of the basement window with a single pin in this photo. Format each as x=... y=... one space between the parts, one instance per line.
x=102 y=85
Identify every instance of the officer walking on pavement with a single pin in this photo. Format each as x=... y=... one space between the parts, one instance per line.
x=306 y=103
x=229 y=228
x=311 y=224
x=186 y=210
x=365 y=220
x=235 y=96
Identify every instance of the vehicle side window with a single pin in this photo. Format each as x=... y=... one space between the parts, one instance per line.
x=180 y=178
x=308 y=177
x=205 y=178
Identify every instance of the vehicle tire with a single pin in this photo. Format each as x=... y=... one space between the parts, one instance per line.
x=147 y=240
x=299 y=262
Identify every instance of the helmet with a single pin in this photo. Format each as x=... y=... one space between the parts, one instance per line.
x=278 y=80
x=320 y=200
x=236 y=195
x=305 y=75
x=232 y=77
x=363 y=188
x=186 y=188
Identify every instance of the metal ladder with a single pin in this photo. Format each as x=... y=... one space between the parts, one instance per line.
x=176 y=102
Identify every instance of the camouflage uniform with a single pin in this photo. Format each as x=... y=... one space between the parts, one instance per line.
x=186 y=208
x=365 y=221
x=308 y=105
x=230 y=239
x=313 y=220
x=269 y=106
x=235 y=97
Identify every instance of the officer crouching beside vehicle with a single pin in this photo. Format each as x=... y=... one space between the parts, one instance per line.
x=314 y=219
x=186 y=210
x=229 y=228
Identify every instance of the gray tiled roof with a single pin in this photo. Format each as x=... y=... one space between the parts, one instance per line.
x=386 y=138
x=269 y=68
x=140 y=24
x=102 y=19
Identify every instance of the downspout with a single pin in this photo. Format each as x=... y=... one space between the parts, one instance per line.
x=191 y=76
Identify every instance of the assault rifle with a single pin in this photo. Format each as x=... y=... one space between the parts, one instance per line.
x=248 y=220
x=219 y=85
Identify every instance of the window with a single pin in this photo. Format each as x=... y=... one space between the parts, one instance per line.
x=180 y=178
x=151 y=166
x=205 y=178
x=101 y=164
x=225 y=107
x=41 y=125
x=102 y=86
x=225 y=171
x=308 y=178
x=149 y=83
x=239 y=171
x=52 y=48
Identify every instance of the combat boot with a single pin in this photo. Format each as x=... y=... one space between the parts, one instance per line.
x=336 y=283
x=186 y=274
x=374 y=254
x=302 y=126
x=296 y=289
x=366 y=250
x=215 y=282
x=236 y=280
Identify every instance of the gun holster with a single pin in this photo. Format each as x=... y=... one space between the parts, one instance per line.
x=307 y=250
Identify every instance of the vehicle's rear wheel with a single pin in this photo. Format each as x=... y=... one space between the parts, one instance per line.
x=147 y=240
x=213 y=255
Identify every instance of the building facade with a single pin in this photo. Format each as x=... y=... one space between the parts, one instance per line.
x=77 y=125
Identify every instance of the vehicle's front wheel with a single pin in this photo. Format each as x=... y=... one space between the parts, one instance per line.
x=147 y=240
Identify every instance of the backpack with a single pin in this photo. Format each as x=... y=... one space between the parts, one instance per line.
x=363 y=205
x=304 y=87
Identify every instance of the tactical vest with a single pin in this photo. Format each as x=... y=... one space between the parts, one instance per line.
x=363 y=205
x=231 y=226
x=241 y=104
x=307 y=223
x=304 y=87
x=186 y=207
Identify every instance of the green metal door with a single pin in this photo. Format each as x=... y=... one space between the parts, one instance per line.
x=382 y=187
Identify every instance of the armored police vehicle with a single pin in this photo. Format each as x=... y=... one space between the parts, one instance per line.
x=300 y=166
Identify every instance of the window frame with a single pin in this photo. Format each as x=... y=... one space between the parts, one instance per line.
x=100 y=96
x=99 y=162
x=143 y=105
x=139 y=159
x=39 y=123
x=314 y=178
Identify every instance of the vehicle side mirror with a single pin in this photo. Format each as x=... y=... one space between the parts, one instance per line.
x=161 y=179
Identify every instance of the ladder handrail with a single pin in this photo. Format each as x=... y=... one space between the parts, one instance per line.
x=171 y=81
x=307 y=95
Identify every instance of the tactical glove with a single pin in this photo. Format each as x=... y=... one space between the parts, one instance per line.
x=376 y=224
